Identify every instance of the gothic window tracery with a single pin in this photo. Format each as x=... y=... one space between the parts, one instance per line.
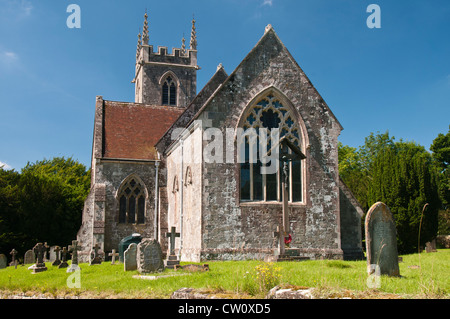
x=269 y=112
x=132 y=203
x=169 y=92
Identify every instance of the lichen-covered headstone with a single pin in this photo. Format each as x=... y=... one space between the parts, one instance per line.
x=3 y=261
x=129 y=257
x=149 y=256
x=381 y=241
x=29 y=258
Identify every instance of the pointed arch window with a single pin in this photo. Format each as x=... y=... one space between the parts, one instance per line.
x=269 y=112
x=169 y=92
x=132 y=202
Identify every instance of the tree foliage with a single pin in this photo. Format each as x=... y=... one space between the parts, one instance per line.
x=43 y=203
x=400 y=174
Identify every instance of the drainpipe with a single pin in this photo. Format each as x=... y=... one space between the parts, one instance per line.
x=155 y=226
x=181 y=200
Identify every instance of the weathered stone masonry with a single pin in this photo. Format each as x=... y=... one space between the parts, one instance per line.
x=200 y=199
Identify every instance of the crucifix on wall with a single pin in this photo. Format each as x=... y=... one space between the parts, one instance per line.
x=288 y=152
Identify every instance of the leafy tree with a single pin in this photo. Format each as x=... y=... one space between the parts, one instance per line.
x=42 y=203
x=441 y=157
x=400 y=174
x=53 y=193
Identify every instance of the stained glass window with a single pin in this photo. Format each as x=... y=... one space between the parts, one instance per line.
x=269 y=112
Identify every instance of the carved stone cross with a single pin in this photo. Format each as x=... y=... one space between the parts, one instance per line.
x=39 y=250
x=113 y=254
x=74 y=248
x=13 y=253
x=96 y=259
x=63 y=263
x=172 y=235
x=57 y=261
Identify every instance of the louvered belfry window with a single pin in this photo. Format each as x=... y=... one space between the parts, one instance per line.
x=169 y=92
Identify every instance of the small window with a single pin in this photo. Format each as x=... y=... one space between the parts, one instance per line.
x=169 y=92
x=132 y=203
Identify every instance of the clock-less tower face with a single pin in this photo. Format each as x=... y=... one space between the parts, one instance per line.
x=164 y=78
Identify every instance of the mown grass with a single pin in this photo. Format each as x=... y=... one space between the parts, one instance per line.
x=241 y=279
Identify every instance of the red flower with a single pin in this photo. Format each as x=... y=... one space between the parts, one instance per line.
x=288 y=240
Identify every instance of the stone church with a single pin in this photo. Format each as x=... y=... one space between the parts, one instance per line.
x=150 y=172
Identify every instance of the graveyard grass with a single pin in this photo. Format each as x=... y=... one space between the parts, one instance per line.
x=240 y=279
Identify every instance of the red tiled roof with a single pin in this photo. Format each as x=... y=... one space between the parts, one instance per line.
x=131 y=130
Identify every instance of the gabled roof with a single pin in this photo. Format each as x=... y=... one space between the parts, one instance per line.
x=131 y=130
x=269 y=32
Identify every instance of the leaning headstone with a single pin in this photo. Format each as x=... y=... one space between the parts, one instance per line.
x=381 y=241
x=29 y=258
x=74 y=248
x=129 y=256
x=149 y=256
x=39 y=250
x=3 y=261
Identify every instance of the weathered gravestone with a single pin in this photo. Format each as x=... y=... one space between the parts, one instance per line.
x=14 y=261
x=39 y=250
x=95 y=258
x=3 y=261
x=149 y=256
x=29 y=257
x=381 y=241
x=74 y=248
x=64 y=253
x=54 y=253
x=172 y=260
x=129 y=256
x=113 y=256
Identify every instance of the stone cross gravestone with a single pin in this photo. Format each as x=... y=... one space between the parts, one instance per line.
x=55 y=251
x=46 y=248
x=172 y=260
x=149 y=256
x=13 y=254
x=29 y=257
x=74 y=248
x=64 y=254
x=39 y=250
x=381 y=241
x=95 y=256
x=113 y=256
x=3 y=261
x=129 y=258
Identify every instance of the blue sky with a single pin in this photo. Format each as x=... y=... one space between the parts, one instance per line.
x=396 y=78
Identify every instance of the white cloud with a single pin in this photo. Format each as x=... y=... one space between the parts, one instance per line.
x=9 y=60
x=5 y=166
x=267 y=3
x=9 y=55
x=16 y=8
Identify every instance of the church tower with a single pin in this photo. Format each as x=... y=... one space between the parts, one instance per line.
x=163 y=78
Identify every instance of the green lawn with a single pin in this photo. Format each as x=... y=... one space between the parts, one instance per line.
x=243 y=279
